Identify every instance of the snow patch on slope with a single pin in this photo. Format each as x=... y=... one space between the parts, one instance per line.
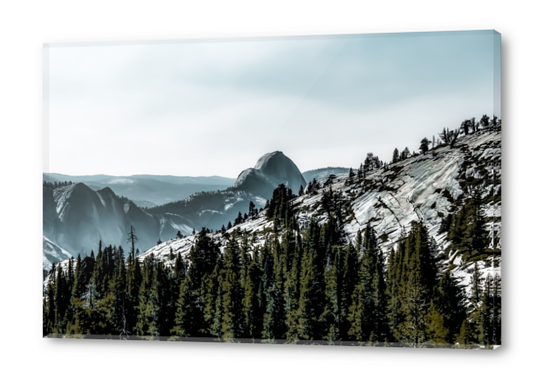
x=52 y=253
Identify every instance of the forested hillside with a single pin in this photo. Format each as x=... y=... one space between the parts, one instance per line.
x=401 y=253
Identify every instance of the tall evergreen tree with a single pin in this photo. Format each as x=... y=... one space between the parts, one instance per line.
x=415 y=305
x=133 y=283
x=424 y=145
x=495 y=337
x=231 y=292
x=420 y=275
x=332 y=312
x=249 y=301
x=269 y=297
x=395 y=157
x=368 y=307
x=436 y=333
x=252 y=210
x=307 y=295
x=131 y=239
x=466 y=335
x=149 y=310
x=186 y=323
x=450 y=303
x=291 y=298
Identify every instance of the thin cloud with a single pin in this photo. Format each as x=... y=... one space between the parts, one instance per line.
x=213 y=108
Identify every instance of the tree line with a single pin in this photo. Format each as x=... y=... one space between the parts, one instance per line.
x=287 y=285
x=55 y=184
x=446 y=137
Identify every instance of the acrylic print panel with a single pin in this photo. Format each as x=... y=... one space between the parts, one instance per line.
x=341 y=190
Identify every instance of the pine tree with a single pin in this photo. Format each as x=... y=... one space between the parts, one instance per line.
x=281 y=253
x=495 y=337
x=466 y=337
x=486 y=317
x=49 y=306
x=231 y=292
x=215 y=328
x=484 y=121
x=449 y=302
x=179 y=270
x=149 y=308
x=209 y=294
x=70 y=276
x=251 y=210
x=465 y=126
x=202 y=257
x=79 y=279
x=348 y=281
x=412 y=331
x=185 y=323
x=133 y=283
x=68 y=294
x=356 y=313
x=132 y=238
x=467 y=232
x=331 y=314
x=368 y=308
x=405 y=154
x=117 y=288
x=189 y=318
x=419 y=274
x=291 y=298
x=395 y=158
x=475 y=288
x=424 y=145
x=238 y=220
x=312 y=283
x=267 y=294
x=350 y=179
x=436 y=333
x=249 y=301
x=60 y=288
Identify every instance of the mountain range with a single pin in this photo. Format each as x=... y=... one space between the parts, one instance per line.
x=433 y=188
x=77 y=216
x=403 y=253
x=148 y=190
x=430 y=188
x=154 y=190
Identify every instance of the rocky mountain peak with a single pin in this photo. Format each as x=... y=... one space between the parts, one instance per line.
x=270 y=170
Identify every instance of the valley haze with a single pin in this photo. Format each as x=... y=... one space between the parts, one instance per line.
x=84 y=209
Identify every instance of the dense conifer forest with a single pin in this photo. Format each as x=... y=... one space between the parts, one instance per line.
x=308 y=286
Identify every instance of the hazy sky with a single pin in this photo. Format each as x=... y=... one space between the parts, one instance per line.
x=203 y=108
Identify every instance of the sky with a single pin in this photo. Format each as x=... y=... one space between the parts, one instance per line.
x=213 y=107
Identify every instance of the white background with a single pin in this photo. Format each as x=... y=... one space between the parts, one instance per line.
x=26 y=25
